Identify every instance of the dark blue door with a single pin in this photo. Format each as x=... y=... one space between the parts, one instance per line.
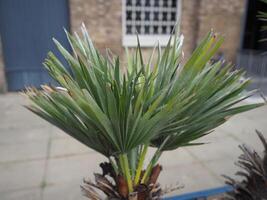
x=26 y=30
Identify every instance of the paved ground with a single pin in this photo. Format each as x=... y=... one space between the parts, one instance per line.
x=38 y=161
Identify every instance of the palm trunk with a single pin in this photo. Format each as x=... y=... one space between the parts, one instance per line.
x=117 y=187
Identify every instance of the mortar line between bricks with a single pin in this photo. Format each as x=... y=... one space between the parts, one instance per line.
x=48 y=152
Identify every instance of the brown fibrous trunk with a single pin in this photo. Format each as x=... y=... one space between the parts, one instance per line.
x=116 y=188
x=155 y=174
x=122 y=186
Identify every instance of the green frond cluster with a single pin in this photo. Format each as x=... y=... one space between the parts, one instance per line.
x=263 y=17
x=120 y=110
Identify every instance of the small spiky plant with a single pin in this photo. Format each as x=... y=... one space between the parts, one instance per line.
x=254 y=174
x=119 y=111
x=262 y=15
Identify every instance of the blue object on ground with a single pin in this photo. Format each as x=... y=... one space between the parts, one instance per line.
x=201 y=194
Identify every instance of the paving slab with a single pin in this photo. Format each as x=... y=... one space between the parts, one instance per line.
x=67 y=147
x=176 y=157
x=59 y=134
x=28 y=194
x=15 y=135
x=73 y=168
x=22 y=175
x=24 y=119
x=193 y=176
x=63 y=191
x=222 y=167
x=23 y=151
x=226 y=148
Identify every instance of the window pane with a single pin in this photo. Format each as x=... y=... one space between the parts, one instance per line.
x=150 y=16
x=138 y=29
x=129 y=2
x=147 y=3
x=128 y=29
x=173 y=16
x=146 y=29
x=165 y=3
x=156 y=3
x=129 y=15
x=164 y=29
x=138 y=15
x=164 y=16
x=155 y=29
x=138 y=3
x=156 y=16
x=174 y=3
x=147 y=15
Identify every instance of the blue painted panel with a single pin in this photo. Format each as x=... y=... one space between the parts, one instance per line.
x=27 y=28
x=203 y=194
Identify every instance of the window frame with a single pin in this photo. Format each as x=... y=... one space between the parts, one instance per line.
x=146 y=40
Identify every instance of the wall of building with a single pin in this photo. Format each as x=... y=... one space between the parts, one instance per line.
x=104 y=22
x=102 y=19
x=224 y=17
x=189 y=25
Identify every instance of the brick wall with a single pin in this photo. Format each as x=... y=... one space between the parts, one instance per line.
x=224 y=17
x=102 y=19
x=189 y=25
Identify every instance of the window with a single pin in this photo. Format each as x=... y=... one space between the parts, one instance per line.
x=153 y=20
x=253 y=34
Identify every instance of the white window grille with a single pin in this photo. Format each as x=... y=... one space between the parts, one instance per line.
x=153 y=20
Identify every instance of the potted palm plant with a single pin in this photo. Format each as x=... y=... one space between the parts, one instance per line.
x=120 y=111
